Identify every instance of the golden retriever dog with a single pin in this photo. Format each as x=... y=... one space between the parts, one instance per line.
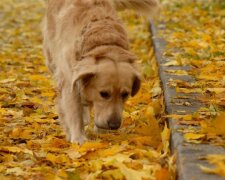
x=86 y=49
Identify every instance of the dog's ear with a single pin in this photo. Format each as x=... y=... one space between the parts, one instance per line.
x=136 y=82
x=84 y=70
x=136 y=85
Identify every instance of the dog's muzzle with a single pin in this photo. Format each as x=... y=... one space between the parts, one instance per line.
x=114 y=123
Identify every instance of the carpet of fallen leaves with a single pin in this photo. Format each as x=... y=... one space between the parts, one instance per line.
x=32 y=144
x=195 y=31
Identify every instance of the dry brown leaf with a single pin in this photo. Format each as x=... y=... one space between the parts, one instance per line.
x=163 y=174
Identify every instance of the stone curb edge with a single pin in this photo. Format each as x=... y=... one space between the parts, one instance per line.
x=187 y=154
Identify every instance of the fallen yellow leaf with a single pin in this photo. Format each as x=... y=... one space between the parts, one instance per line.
x=14 y=149
x=165 y=139
x=194 y=136
x=162 y=174
x=215 y=126
x=219 y=161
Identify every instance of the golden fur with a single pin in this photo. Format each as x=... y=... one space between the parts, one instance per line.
x=87 y=51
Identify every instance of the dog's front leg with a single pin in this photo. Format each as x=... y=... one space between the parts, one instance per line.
x=73 y=111
x=86 y=115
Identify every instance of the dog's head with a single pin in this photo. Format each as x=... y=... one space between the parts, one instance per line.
x=107 y=84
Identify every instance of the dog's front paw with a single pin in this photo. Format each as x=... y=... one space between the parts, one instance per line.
x=78 y=139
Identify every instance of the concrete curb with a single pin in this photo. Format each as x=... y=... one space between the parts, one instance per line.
x=187 y=154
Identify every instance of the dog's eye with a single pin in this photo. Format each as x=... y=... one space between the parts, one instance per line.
x=105 y=94
x=125 y=95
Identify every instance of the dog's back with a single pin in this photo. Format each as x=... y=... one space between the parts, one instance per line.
x=85 y=39
x=67 y=19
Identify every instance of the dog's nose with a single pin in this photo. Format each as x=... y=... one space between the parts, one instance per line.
x=114 y=125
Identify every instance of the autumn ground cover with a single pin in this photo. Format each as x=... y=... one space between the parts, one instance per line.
x=195 y=32
x=32 y=144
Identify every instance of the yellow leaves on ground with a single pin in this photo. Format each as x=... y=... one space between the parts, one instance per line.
x=218 y=161
x=135 y=175
x=165 y=140
x=16 y=170
x=127 y=164
x=211 y=131
x=191 y=137
x=33 y=145
x=58 y=158
x=201 y=47
x=178 y=72
x=124 y=166
x=216 y=90
x=172 y=63
x=198 y=47
x=92 y=146
x=21 y=133
x=186 y=117
x=163 y=174
x=143 y=140
x=14 y=149
x=215 y=126
x=58 y=143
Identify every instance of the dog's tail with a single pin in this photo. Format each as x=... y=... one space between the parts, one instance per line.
x=146 y=7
